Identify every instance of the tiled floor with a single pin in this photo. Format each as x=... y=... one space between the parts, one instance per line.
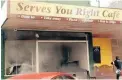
x=107 y=76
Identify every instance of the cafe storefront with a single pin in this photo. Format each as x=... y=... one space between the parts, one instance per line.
x=38 y=34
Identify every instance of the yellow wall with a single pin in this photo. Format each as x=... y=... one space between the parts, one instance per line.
x=106 y=51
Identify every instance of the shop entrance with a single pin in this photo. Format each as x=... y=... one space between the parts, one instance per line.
x=62 y=55
x=45 y=51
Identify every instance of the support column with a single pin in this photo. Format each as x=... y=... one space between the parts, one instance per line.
x=90 y=44
x=2 y=54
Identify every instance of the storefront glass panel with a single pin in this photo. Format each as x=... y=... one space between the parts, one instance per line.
x=19 y=57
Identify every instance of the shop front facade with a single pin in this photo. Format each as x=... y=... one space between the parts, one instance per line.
x=49 y=37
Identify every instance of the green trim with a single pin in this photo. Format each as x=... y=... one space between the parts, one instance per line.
x=90 y=44
x=77 y=3
x=2 y=54
x=4 y=22
x=2 y=3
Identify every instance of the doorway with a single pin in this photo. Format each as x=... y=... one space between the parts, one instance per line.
x=49 y=55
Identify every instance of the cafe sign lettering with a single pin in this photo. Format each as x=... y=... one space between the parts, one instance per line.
x=64 y=11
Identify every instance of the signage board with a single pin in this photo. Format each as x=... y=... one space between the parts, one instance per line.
x=51 y=11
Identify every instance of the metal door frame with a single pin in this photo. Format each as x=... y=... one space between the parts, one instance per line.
x=37 y=53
